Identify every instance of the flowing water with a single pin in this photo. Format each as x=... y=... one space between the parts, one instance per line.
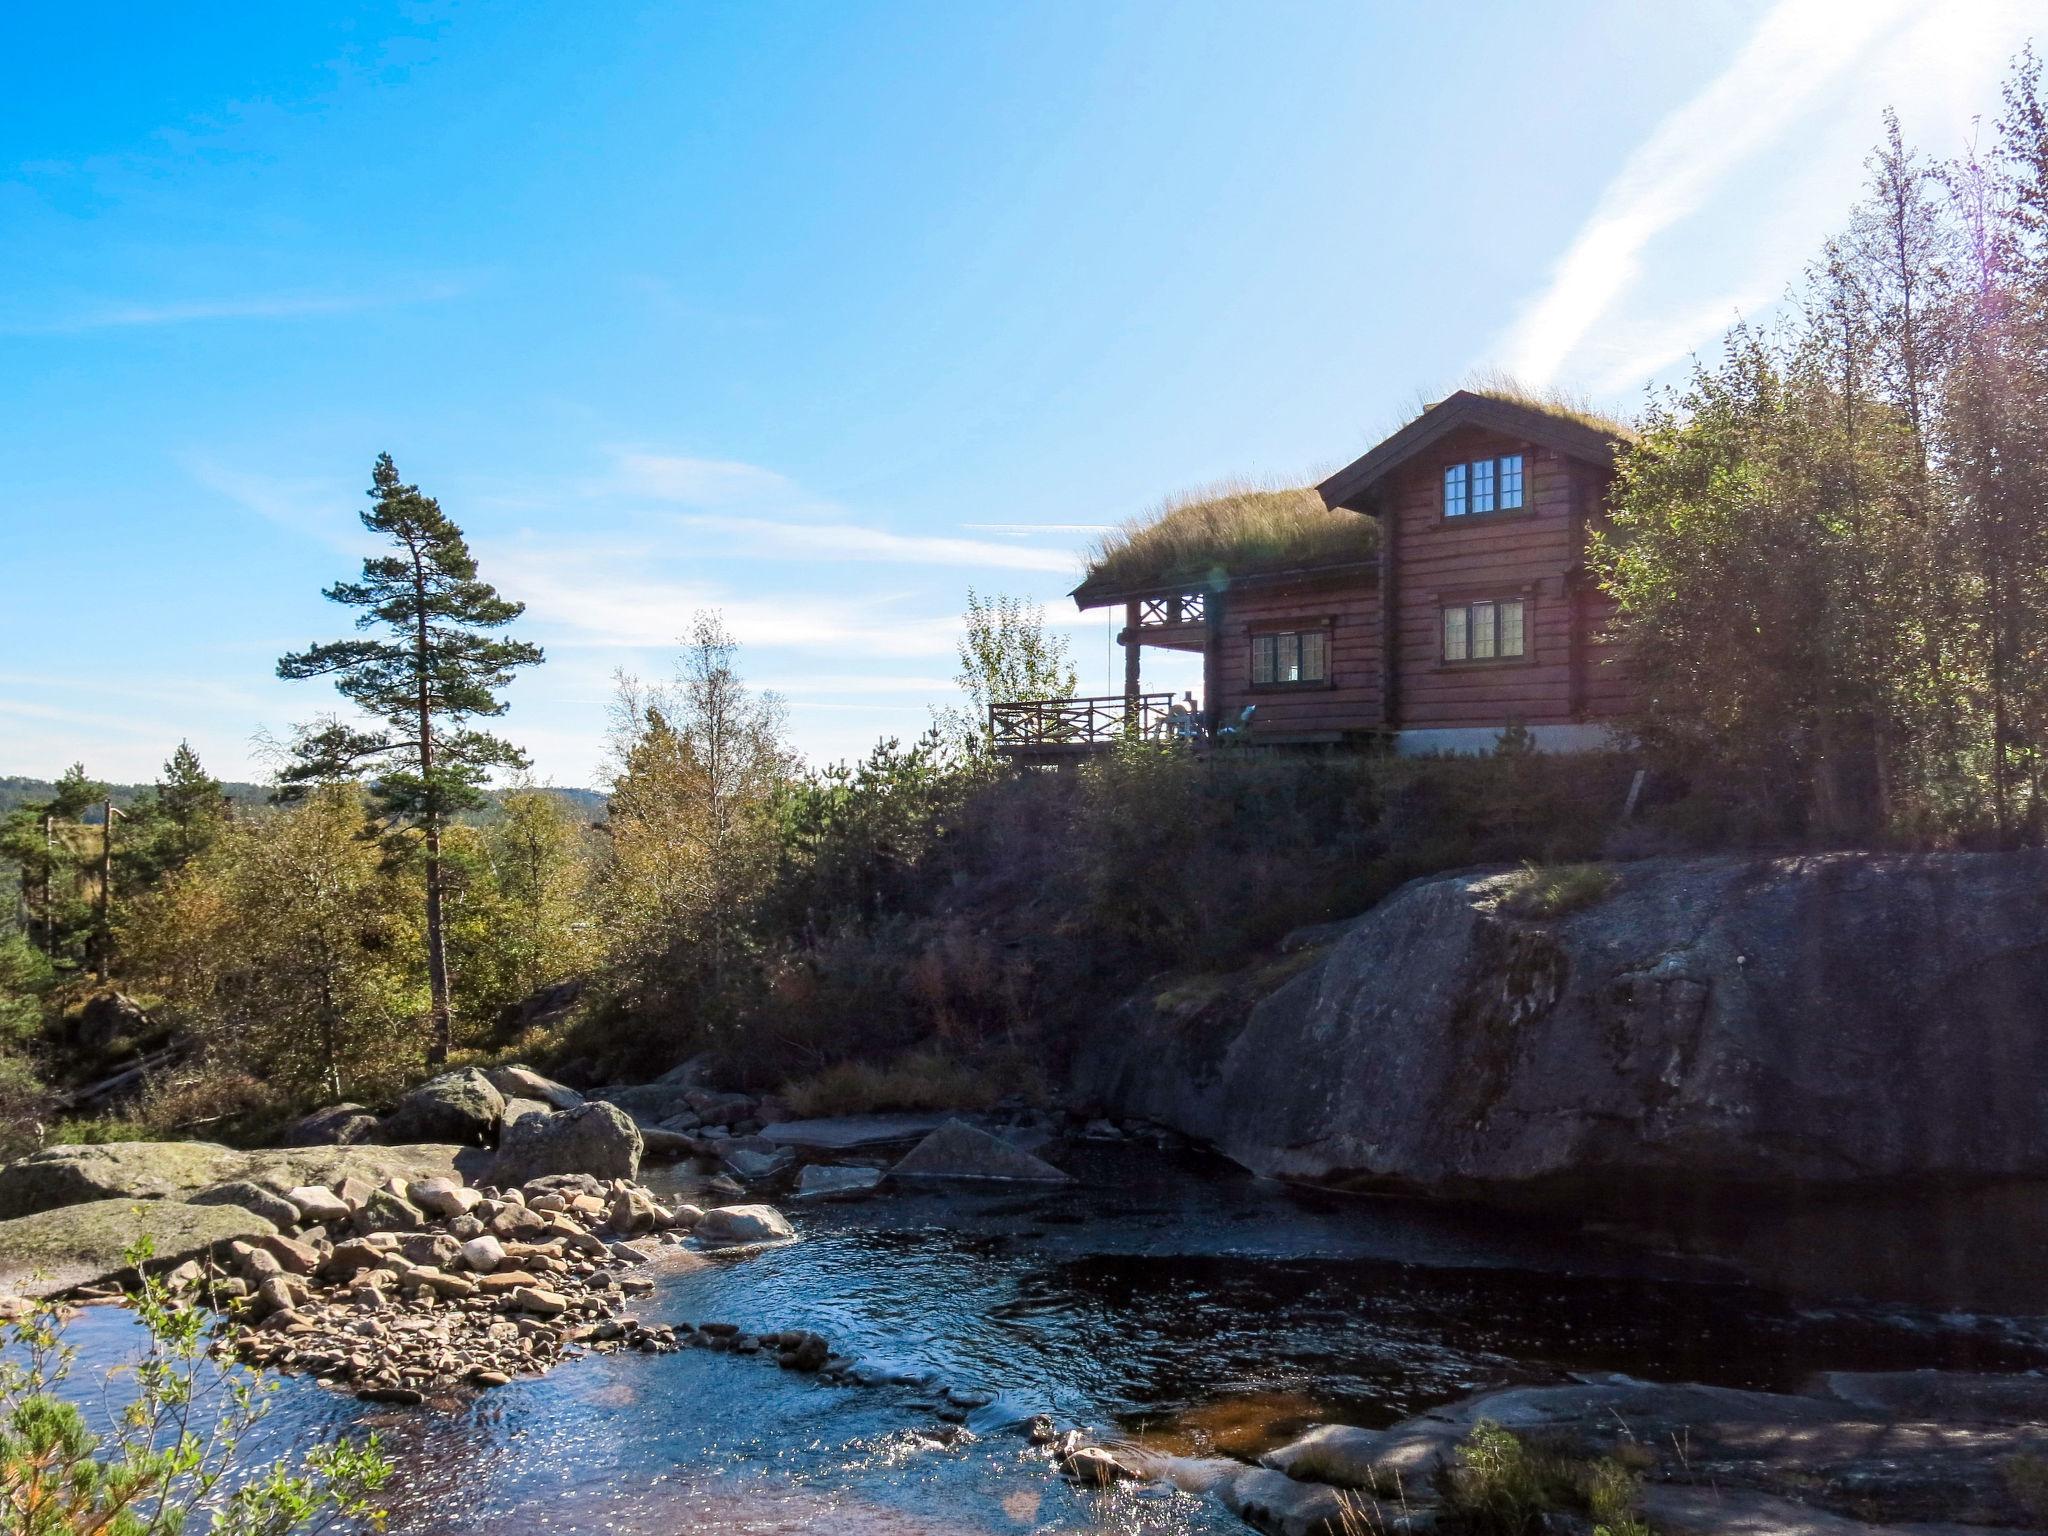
x=1167 y=1299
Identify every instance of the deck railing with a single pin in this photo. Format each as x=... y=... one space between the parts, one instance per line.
x=1078 y=724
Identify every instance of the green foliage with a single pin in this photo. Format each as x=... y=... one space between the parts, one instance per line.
x=1501 y=1485
x=290 y=952
x=1830 y=549
x=702 y=768
x=173 y=1449
x=1006 y=654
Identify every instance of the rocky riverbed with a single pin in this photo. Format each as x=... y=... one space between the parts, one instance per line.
x=1177 y=1322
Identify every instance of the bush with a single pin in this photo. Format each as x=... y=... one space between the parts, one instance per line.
x=172 y=1450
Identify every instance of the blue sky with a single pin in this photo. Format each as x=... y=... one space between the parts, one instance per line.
x=816 y=314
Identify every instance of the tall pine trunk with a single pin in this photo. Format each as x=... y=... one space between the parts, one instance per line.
x=437 y=944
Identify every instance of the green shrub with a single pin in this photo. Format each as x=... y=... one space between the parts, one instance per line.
x=1501 y=1485
x=172 y=1449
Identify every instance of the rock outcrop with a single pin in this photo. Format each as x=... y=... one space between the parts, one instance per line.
x=1845 y=1019
x=182 y=1170
x=957 y=1150
x=462 y=1107
x=59 y=1250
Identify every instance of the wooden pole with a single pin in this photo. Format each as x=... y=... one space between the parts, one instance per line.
x=1132 y=652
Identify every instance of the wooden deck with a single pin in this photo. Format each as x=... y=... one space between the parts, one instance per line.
x=1056 y=730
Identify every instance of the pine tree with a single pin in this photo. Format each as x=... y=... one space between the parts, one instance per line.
x=430 y=664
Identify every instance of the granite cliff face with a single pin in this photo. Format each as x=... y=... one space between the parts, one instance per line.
x=1850 y=1021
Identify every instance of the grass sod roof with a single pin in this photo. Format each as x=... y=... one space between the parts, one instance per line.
x=1236 y=532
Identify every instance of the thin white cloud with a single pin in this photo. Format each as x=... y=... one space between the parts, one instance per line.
x=1635 y=355
x=1797 y=52
x=851 y=541
x=697 y=482
x=1040 y=530
x=587 y=603
x=310 y=508
x=124 y=315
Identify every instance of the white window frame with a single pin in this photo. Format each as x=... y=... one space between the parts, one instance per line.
x=1479 y=630
x=1282 y=650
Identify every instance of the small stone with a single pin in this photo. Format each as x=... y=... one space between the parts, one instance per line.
x=443 y=1198
x=483 y=1254
x=383 y=1211
x=294 y=1257
x=505 y=1281
x=404 y=1397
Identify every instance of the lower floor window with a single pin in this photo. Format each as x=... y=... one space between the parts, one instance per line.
x=1483 y=631
x=1300 y=656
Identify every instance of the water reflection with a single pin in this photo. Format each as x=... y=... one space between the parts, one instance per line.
x=1186 y=1305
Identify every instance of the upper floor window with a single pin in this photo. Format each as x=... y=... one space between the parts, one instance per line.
x=1299 y=656
x=1485 y=631
x=1484 y=485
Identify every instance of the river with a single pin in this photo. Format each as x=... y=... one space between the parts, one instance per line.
x=1168 y=1298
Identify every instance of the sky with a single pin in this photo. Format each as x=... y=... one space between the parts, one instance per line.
x=819 y=314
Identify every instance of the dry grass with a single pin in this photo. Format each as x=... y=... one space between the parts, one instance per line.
x=1240 y=529
x=922 y=1080
x=1552 y=890
x=1496 y=385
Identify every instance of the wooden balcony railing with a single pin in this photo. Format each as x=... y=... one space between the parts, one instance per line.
x=1062 y=726
x=1182 y=608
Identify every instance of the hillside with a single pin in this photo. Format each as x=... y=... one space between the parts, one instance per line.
x=17 y=790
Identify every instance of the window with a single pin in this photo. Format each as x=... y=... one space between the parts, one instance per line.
x=1454 y=491
x=1484 y=485
x=1484 y=631
x=1299 y=656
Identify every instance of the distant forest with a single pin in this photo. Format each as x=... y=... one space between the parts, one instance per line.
x=15 y=791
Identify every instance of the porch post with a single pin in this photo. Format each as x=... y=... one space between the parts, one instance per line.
x=1132 y=660
x=1212 y=660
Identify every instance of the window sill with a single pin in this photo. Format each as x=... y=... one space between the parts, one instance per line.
x=1306 y=687
x=1512 y=515
x=1486 y=663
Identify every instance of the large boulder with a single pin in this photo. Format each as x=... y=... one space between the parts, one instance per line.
x=115 y=1170
x=1708 y=1041
x=517 y=1082
x=594 y=1138
x=338 y=1125
x=1847 y=1018
x=108 y=1017
x=54 y=1251
x=957 y=1150
x=459 y=1106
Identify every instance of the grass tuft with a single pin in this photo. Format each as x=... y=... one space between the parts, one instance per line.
x=1501 y=1485
x=1241 y=529
x=1552 y=890
x=922 y=1080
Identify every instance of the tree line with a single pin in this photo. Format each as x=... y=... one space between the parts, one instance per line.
x=1830 y=546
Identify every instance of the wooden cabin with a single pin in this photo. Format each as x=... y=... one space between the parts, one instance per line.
x=1424 y=598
